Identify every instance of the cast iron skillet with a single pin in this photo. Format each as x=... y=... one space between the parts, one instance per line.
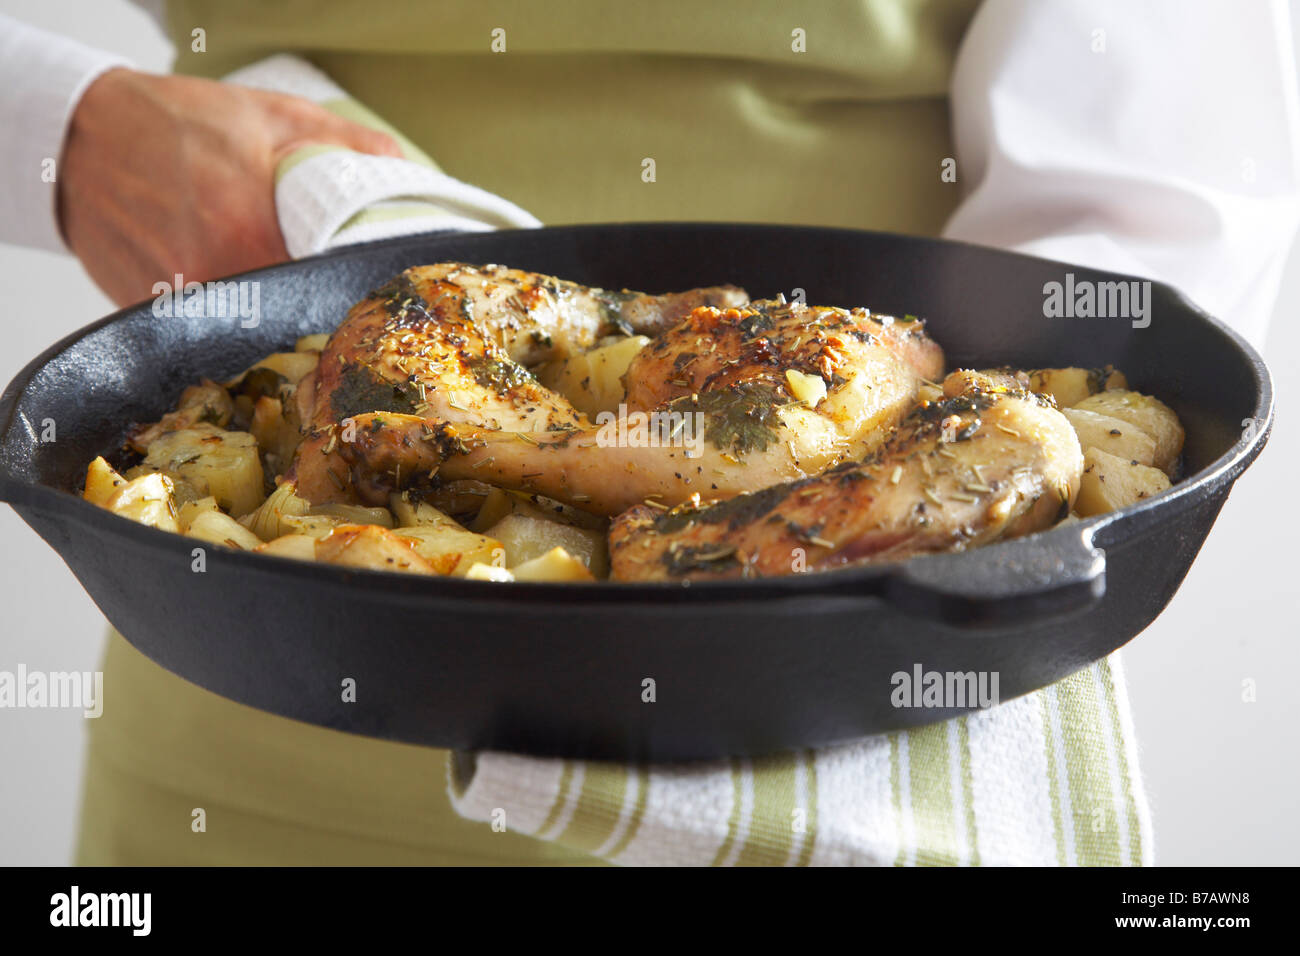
x=738 y=667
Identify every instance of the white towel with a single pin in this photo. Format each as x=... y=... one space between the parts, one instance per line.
x=330 y=196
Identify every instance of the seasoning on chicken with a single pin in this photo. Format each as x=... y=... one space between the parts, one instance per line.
x=989 y=460
x=769 y=392
x=448 y=343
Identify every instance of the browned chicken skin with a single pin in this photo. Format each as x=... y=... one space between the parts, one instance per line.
x=416 y=383
x=448 y=343
x=729 y=367
x=989 y=461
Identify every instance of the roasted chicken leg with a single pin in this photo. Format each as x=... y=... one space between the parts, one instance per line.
x=448 y=343
x=728 y=378
x=988 y=461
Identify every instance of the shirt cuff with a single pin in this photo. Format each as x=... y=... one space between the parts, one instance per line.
x=43 y=77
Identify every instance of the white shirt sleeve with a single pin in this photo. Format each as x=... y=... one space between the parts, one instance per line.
x=42 y=78
x=1157 y=138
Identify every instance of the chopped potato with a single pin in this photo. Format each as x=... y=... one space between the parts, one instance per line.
x=1149 y=414
x=450 y=548
x=184 y=488
x=148 y=500
x=205 y=403
x=441 y=539
x=101 y=482
x=496 y=506
x=500 y=502
x=372 y=548
x=219 y=528
x=192 y=509
x=298 y=546
x=488 y=572
x=525 y=538
x=1110 y=483
x=1112 y=435
x=227 y=461
x=1069 y=386
x=408 y=513
x=276 y=432
x=291 y=366
x=593 y=380
x=312 y=343
x=555 y=565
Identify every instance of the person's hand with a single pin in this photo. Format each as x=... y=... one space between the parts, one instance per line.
x=163 y=175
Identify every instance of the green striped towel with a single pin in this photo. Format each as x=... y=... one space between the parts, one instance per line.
x=1047 y=779
x=1050 y=778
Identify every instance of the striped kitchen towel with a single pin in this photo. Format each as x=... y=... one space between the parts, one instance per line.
x=1050 y=779
x=330 y=196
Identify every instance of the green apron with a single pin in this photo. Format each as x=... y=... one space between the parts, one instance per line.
x=851 y=132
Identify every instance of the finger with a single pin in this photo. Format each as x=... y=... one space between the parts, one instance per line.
x=303 y=121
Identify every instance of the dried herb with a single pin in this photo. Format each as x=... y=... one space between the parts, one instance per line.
x=611 y=305
x=751 y=326
x=743 y=509
x=499 y=374
x=740 y=419
x=707 y=558
x=360 y=390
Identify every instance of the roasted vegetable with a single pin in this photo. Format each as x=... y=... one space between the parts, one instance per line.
x=205 y=403
x=487 y=572
x=101 y=482
x=442 y=540
x=555 y=565
x=372 y=548
x=267 y=522
x=1112 y=435
x=227 y=462
x=276 y=431
x=311 y=343
x=290 y=367
x=297 y=546
x=219 y=528
x=148 y=500
x=1110 y=483
x=1070 y=386
x=499 y=502
x=593 y=381
x=187 y=512
x=525 y=538
x=1149 y=414
x=355 y=514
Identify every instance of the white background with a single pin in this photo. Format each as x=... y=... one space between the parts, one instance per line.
x=1221 y=773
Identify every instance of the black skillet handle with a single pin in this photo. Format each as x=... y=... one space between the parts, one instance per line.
x=1007 y=584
